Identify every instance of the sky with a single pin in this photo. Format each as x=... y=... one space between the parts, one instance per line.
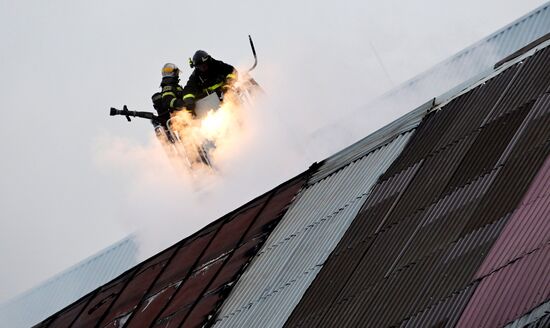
x=74 y=180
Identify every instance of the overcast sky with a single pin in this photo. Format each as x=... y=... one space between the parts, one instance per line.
x=74 y=180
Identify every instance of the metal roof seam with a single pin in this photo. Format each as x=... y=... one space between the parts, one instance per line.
x=502 y=267
x=442 y=149
x=484 y=76
x=92 y=295
x=405 y=267
x=362 y=156
x=231 y=253
x=411 y=265
x=143 y=298
x=454 y=245
x=189 y=273
x=313 y=224
x=345 y=194
x=269 y=294
x=507 y=294
x=463 y=295
x=418 y=211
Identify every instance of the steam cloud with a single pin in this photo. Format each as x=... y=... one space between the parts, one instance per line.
x=165 y=201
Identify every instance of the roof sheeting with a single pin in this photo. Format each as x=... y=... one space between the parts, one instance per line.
x=538 y=318
x=392 y=230
x=412 y=255
x=515 y=276
x=510 y=292
x=184 y=284
x=528 y=228
x=68 y=286
x=296 y=250
x=375 y=140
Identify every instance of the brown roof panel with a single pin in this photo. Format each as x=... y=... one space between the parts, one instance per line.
x=137 y=288
x=172 y=277
x=184 y=260
x=190 y=291
x=509 y=292
x=100 y=304
x=531 y=81
x=202 y=312
x=510 y=184
x=66 y=317
x=529 y=227
x=469 y=115
x=490 y=143
x=446 y=313
x=234 y=265
x=274 y=210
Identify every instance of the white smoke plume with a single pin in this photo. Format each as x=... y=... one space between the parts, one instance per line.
x=257 y=147
x=166 y=201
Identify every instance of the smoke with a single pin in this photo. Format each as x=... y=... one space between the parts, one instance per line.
x=257 y=147
x=442 y=78
x=165 y=200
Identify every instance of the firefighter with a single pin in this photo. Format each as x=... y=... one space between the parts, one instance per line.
x=209 y=75
x=170 y=98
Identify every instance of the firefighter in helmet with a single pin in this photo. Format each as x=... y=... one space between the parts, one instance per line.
x=209 y=75
x=170 y=98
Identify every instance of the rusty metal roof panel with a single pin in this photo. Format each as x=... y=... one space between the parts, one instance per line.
x=66 y=317
x=102 y=300
x=180 y=267
x=185 y=283
x=134 y=291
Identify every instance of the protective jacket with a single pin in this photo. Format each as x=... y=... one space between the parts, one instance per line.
x=170 y=98
x=200 y=84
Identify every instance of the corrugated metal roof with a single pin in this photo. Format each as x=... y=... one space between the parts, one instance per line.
x=390 y=231
x=528 y=228
x=448 y=310
x=68 y=286
x=537 y=318
x=510 y=292
x=543 y=322
x=375 y=140
x=411 y=255
x=184 y=284
x=295 y=251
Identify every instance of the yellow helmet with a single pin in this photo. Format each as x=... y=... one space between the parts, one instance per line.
x=170 y=69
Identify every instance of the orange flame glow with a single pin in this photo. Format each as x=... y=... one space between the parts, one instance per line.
x=216 y=127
